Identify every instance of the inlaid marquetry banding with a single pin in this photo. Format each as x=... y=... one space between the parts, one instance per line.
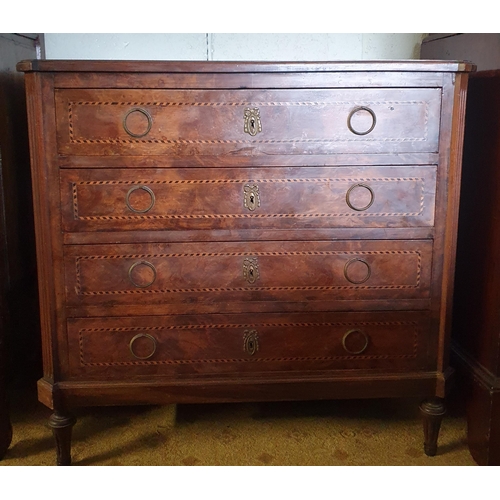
x=249 y=360
x=159 y=104
x=248 y=216
x=84 y=331
x=249 y=325
x=249 y=289
x=244 y=254
x=260 y=181
x=251 y=215
x=79 y=290
x=165 y=104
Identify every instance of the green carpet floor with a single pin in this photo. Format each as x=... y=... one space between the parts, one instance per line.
x=318 y=433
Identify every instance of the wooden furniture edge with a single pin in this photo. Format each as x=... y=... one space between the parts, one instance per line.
x=246 y=66
x=478 y=373
x=76 y=393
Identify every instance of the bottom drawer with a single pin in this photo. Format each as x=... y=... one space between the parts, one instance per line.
x=120 y=348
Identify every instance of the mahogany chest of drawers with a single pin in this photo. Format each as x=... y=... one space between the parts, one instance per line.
x=213 y=232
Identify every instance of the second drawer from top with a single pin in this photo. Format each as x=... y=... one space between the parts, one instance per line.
x=274 y=198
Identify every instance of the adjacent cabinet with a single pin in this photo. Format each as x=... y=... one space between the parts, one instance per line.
x=213 y=232
x=5 y=423
x=476 y=321
x=20 y=356
x=476 y=317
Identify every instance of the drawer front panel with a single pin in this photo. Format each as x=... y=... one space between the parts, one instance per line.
x=247 y=122
x=273 y=198
x=251 y=271
x=177 y=345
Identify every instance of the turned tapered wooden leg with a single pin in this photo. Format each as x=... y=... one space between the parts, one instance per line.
x=62 y=426
x=432 y=411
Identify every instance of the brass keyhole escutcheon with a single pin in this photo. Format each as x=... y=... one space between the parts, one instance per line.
x=250 y=342
x=251 y=270
x=252 y=124
x=251 y=197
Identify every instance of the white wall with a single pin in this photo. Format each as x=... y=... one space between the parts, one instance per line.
x=235 y=46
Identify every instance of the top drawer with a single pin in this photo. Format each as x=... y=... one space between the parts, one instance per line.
x=247 y=122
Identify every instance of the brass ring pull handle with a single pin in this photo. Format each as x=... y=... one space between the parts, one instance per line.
x=143 y=336
x=148 y=208
x=250 y=342
x=142 y=263
x=353 y=113
x=252 y=124
x=346 y=338
x=357 y=186
x=143 y=112
x=357 y=281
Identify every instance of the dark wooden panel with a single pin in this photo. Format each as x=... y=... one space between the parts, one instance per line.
x=220 y=161
x=162 y=236
x=20 y=360
x=5 y=424
x=476 y=320
x=479 y=389
x=19 y=283
x=239 y=80
x=296 y=386
x=477 y=315
x=483 y=415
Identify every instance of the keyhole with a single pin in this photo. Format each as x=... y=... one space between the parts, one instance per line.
x=250 y=342
x=250 y=270
x=252 y=124
x=252 y=199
